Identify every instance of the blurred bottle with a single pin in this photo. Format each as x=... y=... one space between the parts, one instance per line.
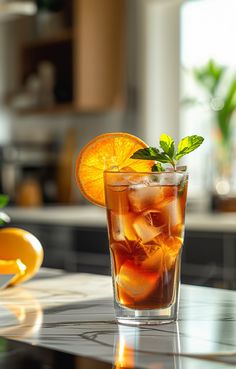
x=65 y=168
x=29 y=193
x=46 y=75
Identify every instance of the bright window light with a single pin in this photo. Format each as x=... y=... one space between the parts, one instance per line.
x=208 y=29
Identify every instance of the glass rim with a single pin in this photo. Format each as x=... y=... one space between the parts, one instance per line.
x=179 y=169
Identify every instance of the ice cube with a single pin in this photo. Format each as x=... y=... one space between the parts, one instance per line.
x=121 y=227
x=117 y=199
x=116 y=227
x=171 y=178
x=169 y=259
x=150 y=250
x=173 y=243
x=134 y=180
x=144 y=230
x=165 y=255
x=155 y=218
x=173 y=216
x=143 y=197
x=171 y=247
x=120 y=248
x=154 y=261
x=138 y=252
x=136 y=282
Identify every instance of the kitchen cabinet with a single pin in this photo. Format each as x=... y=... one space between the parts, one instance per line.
x=87 y=54
x=75 y=238
x=208 y=258
x=75 y=249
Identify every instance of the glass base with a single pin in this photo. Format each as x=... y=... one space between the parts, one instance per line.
x=145 y=317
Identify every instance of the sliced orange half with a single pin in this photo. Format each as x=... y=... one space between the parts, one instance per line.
x=12 y=267
x=107 y=151
x=15 y=244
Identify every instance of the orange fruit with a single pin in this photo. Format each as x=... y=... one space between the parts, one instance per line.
x=16 y=243
x=107 y=151
x=12 y=267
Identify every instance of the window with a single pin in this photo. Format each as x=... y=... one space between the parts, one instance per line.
x=207 y=31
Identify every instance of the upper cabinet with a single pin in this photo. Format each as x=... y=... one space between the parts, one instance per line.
x=76 y=61
x=99 y=54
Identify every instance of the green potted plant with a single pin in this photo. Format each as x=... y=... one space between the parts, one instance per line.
x=220 y=88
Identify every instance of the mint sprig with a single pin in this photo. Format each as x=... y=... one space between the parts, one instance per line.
x=167 y=154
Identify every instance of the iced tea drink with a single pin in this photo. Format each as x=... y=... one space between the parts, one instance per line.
x=145 y=213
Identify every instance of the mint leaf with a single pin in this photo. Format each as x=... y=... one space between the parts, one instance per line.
x=167 y=144
x=158 y=168
x=3 y=200
x=149 y=153
x=162 y=157
x=187 y=145
x=169 y=155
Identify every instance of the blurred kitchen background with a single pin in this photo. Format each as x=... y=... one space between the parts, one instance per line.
x=73 y=69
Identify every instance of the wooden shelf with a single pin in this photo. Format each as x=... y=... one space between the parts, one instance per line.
x=87 y=57
x=63 y=36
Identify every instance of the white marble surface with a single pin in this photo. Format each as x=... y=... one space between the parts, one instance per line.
x=96 y=216
x=65 y=215
x=74 y=313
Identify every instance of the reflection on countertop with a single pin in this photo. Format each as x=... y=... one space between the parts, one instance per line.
x=94 y=216
x=78 y=318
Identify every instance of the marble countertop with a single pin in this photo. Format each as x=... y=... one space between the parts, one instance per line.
x=94 y=216
x=74 y=313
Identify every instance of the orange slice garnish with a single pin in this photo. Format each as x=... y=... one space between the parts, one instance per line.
x=104 y=152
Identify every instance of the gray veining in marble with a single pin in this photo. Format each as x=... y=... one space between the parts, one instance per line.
x=74 y=313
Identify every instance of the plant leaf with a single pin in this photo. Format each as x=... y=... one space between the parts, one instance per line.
x=149 y=153
x=209 y=76
x=167 y=144
x=158 y=168
x=225 y=114
x=3 y=200
x=187 y=145
x=162 y=157
x=168 y=156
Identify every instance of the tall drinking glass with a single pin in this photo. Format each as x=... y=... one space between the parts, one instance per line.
x=145 y=216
